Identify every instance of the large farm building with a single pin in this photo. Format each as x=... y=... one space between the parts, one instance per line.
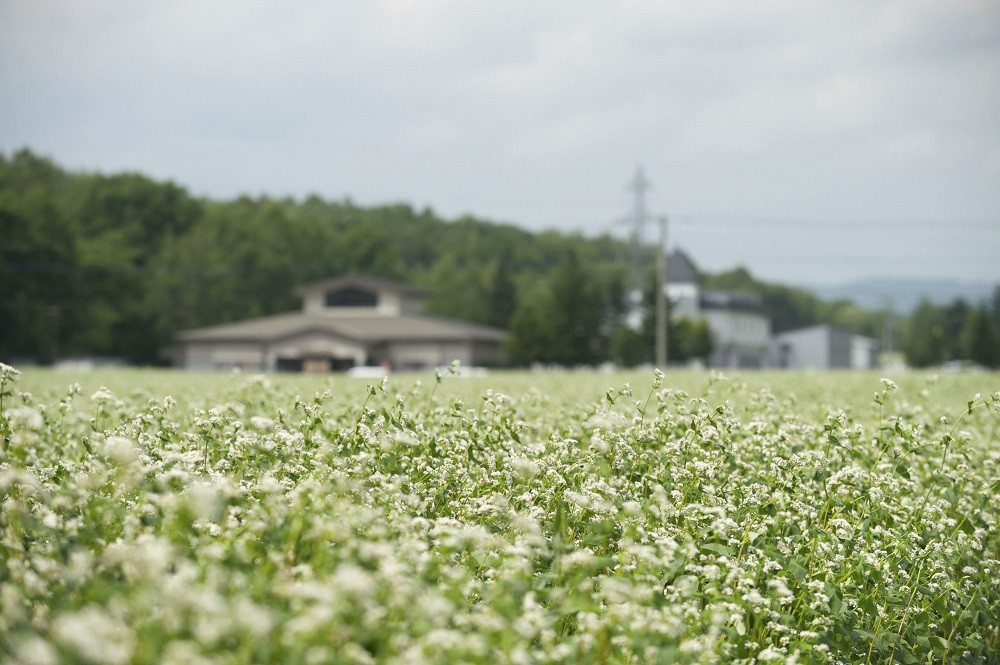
x=344 y=322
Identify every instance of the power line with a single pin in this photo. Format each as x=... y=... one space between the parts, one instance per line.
x=810 y=223
x=900 y=224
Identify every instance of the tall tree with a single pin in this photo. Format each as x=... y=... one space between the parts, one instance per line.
x=41 y=302
x=532 y=336
x=994 y=307
x=37 y=256
x=577 y=313
x=689 y=340
x=459 y=289
x=561 y=323
x=979 y=340
x=954 y=319
x=502 y=295
x=925 y=344
x=125 y=219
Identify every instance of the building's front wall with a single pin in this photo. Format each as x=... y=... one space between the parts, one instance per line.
x=818 y=347
x=487 y=354
x=683 y=299
x=741 y=339
x=803 y=349
x=736 y=327
x=313 y=348
x=408 y=305
x=388 y=303
x=423 y=355
x=314 y=301
x=311 y=351
x=208 y=356
x=840 y=349
x=318 y=351
x=864 y=352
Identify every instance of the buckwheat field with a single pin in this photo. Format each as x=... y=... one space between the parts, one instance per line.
x=571 y=517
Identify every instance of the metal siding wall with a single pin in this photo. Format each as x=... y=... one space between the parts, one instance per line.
x=840 y=349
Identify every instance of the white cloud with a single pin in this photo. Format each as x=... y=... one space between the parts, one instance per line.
x=906 y=147
x=755 y=118
x=576 y=130
x=434 y=134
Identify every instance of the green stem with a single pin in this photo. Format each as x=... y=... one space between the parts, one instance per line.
x=915 y=582
x=958 y=619
x=878 y=624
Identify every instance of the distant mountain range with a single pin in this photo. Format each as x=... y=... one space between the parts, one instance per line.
x=903 y=295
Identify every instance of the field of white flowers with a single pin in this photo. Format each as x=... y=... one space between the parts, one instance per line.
x=158 y=517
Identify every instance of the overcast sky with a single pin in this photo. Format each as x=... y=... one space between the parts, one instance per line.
x=813 y=142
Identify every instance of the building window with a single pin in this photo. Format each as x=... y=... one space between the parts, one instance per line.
x=351 y=297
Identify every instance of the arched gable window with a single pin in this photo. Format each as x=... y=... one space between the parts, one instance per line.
x=351 y=297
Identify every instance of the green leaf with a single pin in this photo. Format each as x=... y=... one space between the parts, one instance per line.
x=836 y=604
x=905 y=656
x=718 y=548
x=868 y=605
x=940 y=605
x=940 y=643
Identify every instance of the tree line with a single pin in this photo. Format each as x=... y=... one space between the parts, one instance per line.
x=959 y=331
x=116 y=264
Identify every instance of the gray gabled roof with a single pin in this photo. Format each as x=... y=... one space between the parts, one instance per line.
x=821 y=329
x=745 y=302
x=361 y=281
x=680 y=269
x=365 y=329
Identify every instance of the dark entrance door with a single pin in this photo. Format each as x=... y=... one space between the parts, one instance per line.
x=315 y=364
x=289 y=365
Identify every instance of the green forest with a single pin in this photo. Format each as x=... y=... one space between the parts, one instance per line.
x=114 y=265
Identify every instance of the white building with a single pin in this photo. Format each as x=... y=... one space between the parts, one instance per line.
x=740 y=329
x=864 y=352
x=823 y=347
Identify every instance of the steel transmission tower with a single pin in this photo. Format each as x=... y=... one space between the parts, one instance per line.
x=638 y=186
x=634 y=313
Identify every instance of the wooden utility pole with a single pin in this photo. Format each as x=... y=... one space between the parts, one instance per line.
x=661 y=297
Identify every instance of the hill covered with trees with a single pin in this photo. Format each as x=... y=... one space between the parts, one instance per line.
x=114 y=265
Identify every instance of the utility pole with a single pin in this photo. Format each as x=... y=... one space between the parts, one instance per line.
x=662 y=322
